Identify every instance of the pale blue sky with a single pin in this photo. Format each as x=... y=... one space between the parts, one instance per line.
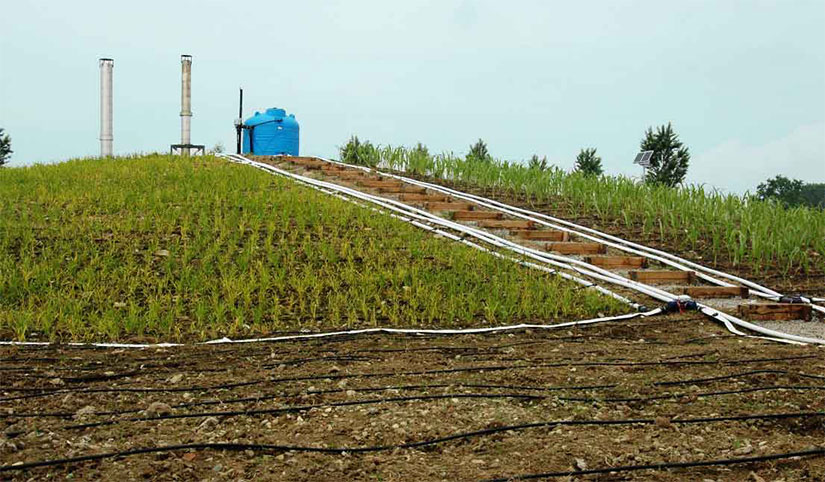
x=742 y=81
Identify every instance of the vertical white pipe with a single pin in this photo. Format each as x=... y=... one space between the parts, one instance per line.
x=186 y=101
x=106 y=136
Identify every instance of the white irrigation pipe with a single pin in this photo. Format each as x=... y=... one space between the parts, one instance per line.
x=313 y=183
x=617 y=243
x=727 y=319
x=310 y=336
x=560 y=261
x=585 y=283
x=556 y=260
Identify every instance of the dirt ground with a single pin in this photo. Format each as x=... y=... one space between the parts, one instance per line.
x=627 y=393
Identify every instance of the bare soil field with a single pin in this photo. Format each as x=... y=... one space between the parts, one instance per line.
x=670 y=389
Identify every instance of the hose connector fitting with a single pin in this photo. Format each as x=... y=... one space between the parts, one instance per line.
x=680 y=305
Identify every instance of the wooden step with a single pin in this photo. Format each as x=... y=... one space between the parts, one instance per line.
x=308 y=162
x=617 y=261
x=775 y=311
x=716 y=291
x=475 y=215
x=333 y=167
x=405 y=189
x=348 y=174
x=448 y=206
x=506 y=224
x=540 y=235
x=576 y=248
x=379 y=184
x=663 y=277
x=317 y=165
x=302 y=160
x=414 y=197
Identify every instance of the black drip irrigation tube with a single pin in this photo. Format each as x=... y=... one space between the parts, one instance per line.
x=664 y=466
x=670 y=396
x=273 y=396
x=738 y=375
x=263 y=398
x=295 y=408
x=437 y=441
x=35 y=392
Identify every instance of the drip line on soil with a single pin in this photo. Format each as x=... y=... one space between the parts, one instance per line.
x=262 y=398
x=35 y=392
x=663 y=466
x=409 y=445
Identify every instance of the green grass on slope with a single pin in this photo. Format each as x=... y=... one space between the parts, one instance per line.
x=175 y=249
x=737 y=230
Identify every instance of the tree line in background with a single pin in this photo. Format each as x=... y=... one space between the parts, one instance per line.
x=5 y=148
x=792 y=192
x=668 y=165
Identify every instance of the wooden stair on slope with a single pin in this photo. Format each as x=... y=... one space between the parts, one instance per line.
x=540 y=234
x=775 y=311
x=663 y=277
x=379 y=183
x=506 y=224
x=475 y=215
x=348 y=174
x=448 y=206
x=576 y=248
x=403 y=190
x=307 y=162
x=617 y=261
x=716 y=291
x=423 y=197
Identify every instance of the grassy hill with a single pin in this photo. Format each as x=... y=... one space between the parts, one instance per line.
x=157 y=247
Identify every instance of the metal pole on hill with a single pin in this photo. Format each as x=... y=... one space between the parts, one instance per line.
x=106 y=136
x=186 y=103
x=239 y=123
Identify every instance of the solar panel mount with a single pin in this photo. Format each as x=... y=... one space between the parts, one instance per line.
x=643 y=159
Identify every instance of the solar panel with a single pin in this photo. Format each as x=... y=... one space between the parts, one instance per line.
x=643 y=159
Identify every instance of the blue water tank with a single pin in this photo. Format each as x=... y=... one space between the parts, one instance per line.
x=271 y=133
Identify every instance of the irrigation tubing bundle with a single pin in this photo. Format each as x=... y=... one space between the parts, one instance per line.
x=529 y=215
x=417 y=217
x=426 y=217
x=435 y=441
x=819 y=452
x=363 y=331
x=598 y=236
x=397 y=388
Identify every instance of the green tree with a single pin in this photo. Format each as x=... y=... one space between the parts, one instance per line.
x=669 y=163
x=5 y=147
x=814 y=195
x=359 y=153
x=588 y=163
x=538 y=163
x=791 y=192
x=478 y=152
x=421 y=150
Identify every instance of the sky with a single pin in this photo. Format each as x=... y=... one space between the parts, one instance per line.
x=743 y=82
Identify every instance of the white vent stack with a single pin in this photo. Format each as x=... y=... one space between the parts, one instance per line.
x=106 y=137
x=186 y=102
